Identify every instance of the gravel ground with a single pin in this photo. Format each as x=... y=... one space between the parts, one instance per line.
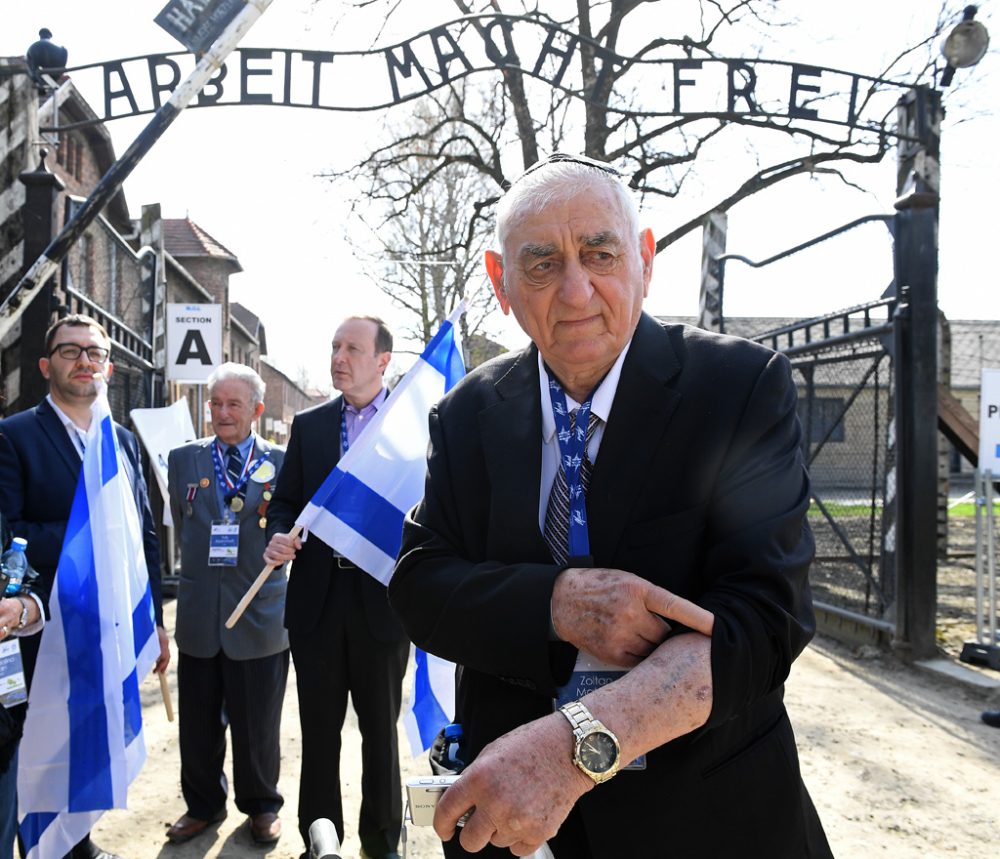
x=898 y=764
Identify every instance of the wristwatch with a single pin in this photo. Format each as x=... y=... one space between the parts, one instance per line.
x=23 y=621
x=596 y=751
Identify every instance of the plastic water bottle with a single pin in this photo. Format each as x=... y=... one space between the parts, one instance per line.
x=14 y=563
x=453 y=737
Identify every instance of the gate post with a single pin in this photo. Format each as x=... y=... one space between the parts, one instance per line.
x=42 y=192
x=916 y=266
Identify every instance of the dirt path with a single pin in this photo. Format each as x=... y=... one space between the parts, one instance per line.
x=898 y=764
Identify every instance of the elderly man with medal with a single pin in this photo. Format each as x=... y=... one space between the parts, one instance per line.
x=220 y=488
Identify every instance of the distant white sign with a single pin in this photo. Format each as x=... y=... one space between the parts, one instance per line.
x=161 y=430
x=194 y=341
x=989 y=422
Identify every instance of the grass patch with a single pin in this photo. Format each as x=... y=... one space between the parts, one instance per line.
x=965 y=510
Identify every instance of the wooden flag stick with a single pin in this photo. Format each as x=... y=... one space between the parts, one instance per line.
x=241 y=606
x=165 y=692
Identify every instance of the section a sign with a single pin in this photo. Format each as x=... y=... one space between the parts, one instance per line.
x=194 y=341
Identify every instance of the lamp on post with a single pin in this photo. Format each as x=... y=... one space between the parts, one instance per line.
x=915 y=342
x=965 y=45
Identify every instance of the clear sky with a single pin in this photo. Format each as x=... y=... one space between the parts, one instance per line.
x=248 y=175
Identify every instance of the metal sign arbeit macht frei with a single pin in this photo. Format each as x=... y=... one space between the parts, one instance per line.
x=377 y=78
x=196 y=24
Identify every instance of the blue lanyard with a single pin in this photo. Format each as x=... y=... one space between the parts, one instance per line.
x=572 y=449
x=249 y=467
x=344 y=444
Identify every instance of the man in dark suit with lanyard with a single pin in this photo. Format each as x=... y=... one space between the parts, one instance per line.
x=41 y=451
x=343 y=635
x=220 y=488
x=615 y=474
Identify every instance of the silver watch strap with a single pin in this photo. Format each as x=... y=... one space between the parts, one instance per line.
x=579 y=717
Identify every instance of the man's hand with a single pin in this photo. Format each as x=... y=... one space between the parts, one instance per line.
x=521 y=787
x=281 y=549
x=617 y=616
x=163 y=660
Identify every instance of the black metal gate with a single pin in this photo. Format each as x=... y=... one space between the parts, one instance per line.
x=844 y=372
x=867 y=379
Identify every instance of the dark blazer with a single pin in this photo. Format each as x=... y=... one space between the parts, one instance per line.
x=699 y=487
x=39 y=470
x=313 y=451
x=207 y=595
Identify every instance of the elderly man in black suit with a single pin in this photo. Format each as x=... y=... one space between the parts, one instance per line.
x=343 y=635
x=613 y=546
x=41 y=452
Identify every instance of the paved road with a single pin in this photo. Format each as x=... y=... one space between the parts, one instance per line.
x=898 y=763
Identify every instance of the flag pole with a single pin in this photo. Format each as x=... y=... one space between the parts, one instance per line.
x=241 y=606
x=165 y=694
x=18 y=299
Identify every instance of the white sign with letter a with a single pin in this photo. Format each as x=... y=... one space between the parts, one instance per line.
x=194 y=341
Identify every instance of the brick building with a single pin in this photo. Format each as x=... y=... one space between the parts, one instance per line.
x=283 y=399
x=53 y=152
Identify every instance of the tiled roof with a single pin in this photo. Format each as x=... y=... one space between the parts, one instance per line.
x=251 y=321
x=184 y=238
x=975 y=345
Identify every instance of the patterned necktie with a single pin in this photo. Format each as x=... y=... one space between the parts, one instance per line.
x=556 y=533
x=234 y=465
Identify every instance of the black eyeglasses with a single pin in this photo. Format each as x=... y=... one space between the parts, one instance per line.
x=562 y=157
x=71 y=352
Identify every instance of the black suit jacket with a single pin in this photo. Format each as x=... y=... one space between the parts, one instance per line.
x=698 y=487
x=313 y=451
x=39 y=471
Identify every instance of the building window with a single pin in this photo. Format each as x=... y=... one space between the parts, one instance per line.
x=826 y=412
x=78 y=165
x=86 y=265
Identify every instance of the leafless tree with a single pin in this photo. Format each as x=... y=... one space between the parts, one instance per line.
x=608 y=118
x=425 y=252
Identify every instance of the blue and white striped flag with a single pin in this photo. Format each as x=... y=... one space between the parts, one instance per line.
x=83 y=743
x=359 y=509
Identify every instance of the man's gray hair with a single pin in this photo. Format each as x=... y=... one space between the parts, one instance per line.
x=229 y=370
x=555 y=182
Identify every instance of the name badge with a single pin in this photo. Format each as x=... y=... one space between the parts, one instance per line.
x=590 y=674
x=223 y=544
x=13 y=689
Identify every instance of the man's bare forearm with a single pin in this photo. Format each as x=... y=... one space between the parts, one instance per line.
x=667 y=695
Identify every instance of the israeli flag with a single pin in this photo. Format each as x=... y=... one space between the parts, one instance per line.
x=83 y=743
x=359 y=509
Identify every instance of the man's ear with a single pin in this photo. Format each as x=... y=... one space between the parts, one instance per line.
x=43 y=367
x=383 y=361
x=258 y=410
x=647 y=250
x=494 y=268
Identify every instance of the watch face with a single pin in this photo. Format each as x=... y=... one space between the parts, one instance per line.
x=598 y=752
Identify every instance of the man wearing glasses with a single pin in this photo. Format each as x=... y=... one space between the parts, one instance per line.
x=41 y=452
x=613 y=546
